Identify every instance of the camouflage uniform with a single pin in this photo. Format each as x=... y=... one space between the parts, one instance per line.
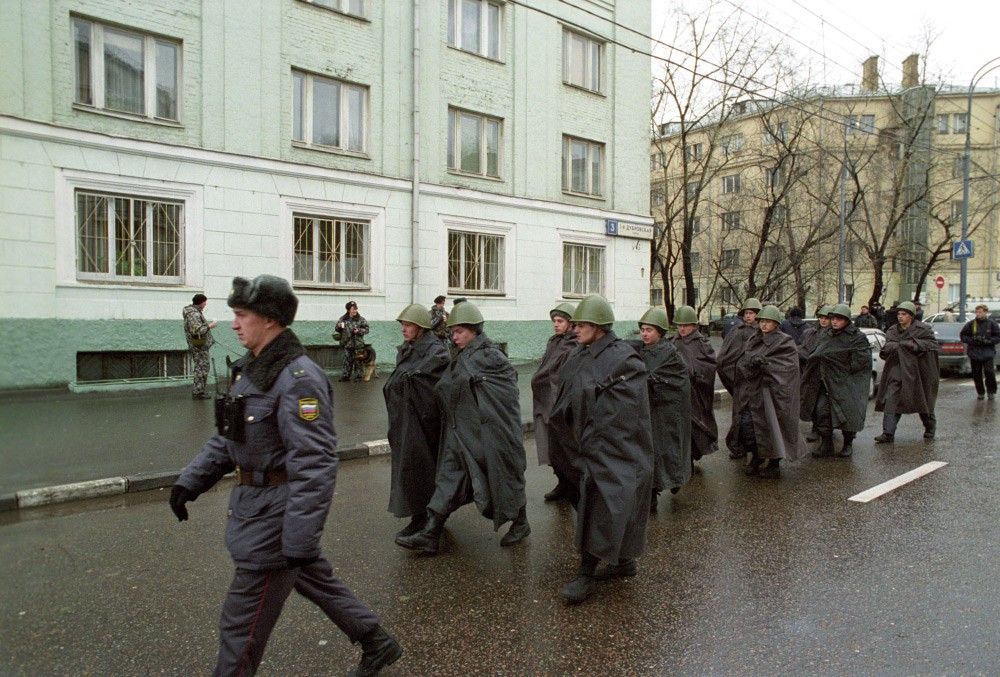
x=196 y=330
x=439 y=323
x=350 y=341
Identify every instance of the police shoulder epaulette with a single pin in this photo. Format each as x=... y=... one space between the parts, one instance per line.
x=299 y=373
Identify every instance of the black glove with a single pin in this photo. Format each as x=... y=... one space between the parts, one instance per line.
x=178 y=497
x=758 y=361
x=296 y=562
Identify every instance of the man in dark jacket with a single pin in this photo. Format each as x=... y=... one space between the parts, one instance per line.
x=700 y=359
x=276 y=432
x=835 y=383
x=544 y=387
x=866 y=320
x=414 y=417
x=794 y=326
x=481 y=459
x=981 y=335
x=729 y=356
x=911 y=375
x=602 y=414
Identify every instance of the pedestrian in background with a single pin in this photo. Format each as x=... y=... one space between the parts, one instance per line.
x=700 y=359
x=414 y=417
x=981 y=335
x=766 y=401
x=866 y=320
x=732 y=349
x=198 y=333
x=481 y=459
x=910 y=376
x=352 y=328
x=602 y=415
x=276 y=432
x=544 y=386
x=439 y=319
x=794 y=326
x=669 y=404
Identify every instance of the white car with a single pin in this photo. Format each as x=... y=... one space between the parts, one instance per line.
x=876 y=339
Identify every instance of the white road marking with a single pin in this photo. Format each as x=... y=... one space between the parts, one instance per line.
x=896 y=482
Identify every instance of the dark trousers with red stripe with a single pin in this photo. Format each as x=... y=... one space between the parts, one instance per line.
x=255 y=600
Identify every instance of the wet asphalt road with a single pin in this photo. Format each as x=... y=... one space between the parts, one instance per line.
x=742 y=576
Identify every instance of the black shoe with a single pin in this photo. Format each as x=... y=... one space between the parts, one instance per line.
x=621 y=570
x=344 y=379
x=812 y=436
x=426 y=540
x=519 y=530
x=737 y=454
x=846 y=450
x=770 y=470
x=885 y=438
x=557 y=494
x=578 y=589
x=416 y=525
x=675 y=490
x=200 y=396
x=754 y=466
x=980 y=396
x=825 y=448
x=928 y=434
x=380 y=651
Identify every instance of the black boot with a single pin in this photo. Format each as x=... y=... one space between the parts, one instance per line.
x=848 y=448
x=428 y=538
x=770 y=470
x=623 y=569
x=380 y=651
x=654 y=502
x=416 y=524
x=518 y=531
x=825 y=448
x=812 y=436
x=754 y=467
x=885 y=438
x=557 y=494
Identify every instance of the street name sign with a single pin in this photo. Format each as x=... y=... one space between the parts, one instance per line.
x=638 y=231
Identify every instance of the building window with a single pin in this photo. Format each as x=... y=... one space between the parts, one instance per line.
x=954 y=293
x=328 y=113
x=352 y=7
x=583 y=60
x=475 y=262
x=583 y=270
x=656 y=296
x=474 y=26
x=956 y=211
x=778 y=132
x=731 y=184
x=730 y=220
x=960 y=122
x=692 y=189
x=116 y=366
x=859 y=124
x=657 y=161
x=732 y=144
x=772 y=255
x=941 y=124
x=958 y=167
x=693 y=152
x=656 y=197
x=730 y=258
x=474 y=143
x=583 y=166
x=729 y=298
x=779 y=215
x=696 y=225
x=126 y=72
x=128 y=238
x=331 y=252
x=695 y=261
x=774 y=177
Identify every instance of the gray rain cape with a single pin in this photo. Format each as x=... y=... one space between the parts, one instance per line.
x=414 y=423
x=700 y=359
x=807 y=344
x=602 y=415
x=910 y=377
x=729 y=356
x=669 y=412
x=482 y=445
x=842 y=362
x=544 y=386
x=768 y=385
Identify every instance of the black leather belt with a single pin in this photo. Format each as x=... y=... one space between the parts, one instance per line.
x=261 y=478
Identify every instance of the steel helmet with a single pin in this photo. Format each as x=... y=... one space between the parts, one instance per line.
x=841 y=310
x=564 y=309
x=908 y=307
x=417 y=314
x=824 y=311
x=655 y=316
x=751 y=304
x=465 y=313
x=685 y=315
x=770 y=313
x=594 y=309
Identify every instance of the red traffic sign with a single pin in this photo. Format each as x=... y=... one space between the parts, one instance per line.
x=939 y=281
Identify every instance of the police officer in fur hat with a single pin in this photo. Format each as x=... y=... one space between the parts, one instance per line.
x=275 y=429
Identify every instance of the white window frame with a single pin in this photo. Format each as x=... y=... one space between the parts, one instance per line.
x=696 y=225
x=778 y=132
x=69 y=182
x=959 y=123
x=337 y=280
x=695 y=261
x=954 y=293
x=942 y=123
x=855 y=125
x=455 y=145
x=567 y=167
x=731 y=221
x=731 y=184
x=342 y=6
x=772 y=254
x=591 y=81
x=96 y=67
x=693 y=152
x=585 y=247
x=729 y=259
x=656 y=196
x=305 y=105
x=455 y=18
x=732 y=144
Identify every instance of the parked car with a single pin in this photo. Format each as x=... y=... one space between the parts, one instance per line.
x=719 y=323
x=953 y=357
x=876 y=339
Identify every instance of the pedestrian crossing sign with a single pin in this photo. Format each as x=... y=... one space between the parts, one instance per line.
x=963 y=249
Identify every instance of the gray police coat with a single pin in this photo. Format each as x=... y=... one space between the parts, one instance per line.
x=288 y=427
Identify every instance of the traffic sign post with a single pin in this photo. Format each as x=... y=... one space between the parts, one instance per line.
x=963 y=249
x=939 y=283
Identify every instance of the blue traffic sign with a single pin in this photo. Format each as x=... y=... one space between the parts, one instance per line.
x=963 y=249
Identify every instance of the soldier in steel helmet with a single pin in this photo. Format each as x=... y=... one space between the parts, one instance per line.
x=835 y=383
x=766 y=399
x=544 y=386
x=700 y=359
x=810 y=338
x=414 y=417
x=481 y=458
x=276 y=431
x=730 y=354
x=669 y=404
x=602 y=415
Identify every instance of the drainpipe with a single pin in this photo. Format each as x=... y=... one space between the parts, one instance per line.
x=415 y=198
x=990 y=282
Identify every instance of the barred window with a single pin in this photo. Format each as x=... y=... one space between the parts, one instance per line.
x=475 y=262
x=128 y=238
x=331 y=252
x=583 y=270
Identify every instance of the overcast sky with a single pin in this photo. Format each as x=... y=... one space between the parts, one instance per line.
x=848 y=31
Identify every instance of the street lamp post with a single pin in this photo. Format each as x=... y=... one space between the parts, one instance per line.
x=964 y=282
